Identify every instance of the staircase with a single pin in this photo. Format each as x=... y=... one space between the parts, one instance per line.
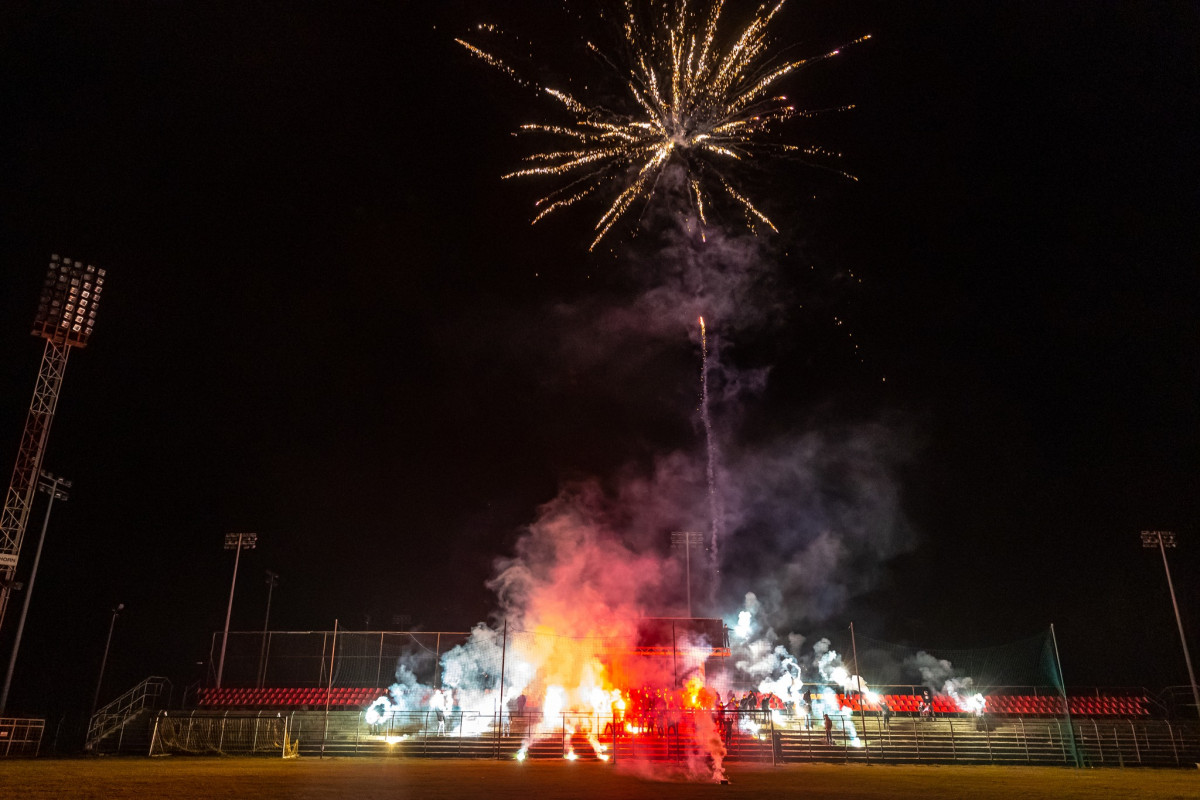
x=125 y=724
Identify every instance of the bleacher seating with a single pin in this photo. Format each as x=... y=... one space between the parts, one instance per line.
x=1015 y=705
x=338 y=697
x=902 y=704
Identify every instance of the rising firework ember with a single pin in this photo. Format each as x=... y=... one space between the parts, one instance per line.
x=695 y=97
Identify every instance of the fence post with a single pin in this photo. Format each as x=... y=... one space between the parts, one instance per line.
x=1025 y=740
x=154 y=735
x=1171 y=733
x=500 y=705
x=774 y=762
x=1099 y=744
x=379 y=664
x=1137 y=750
x=254 y=741
x=221 y=739
x=437 y=663
x=614 y=737
x=987 y=730
x=329 y=687
x=953 y=748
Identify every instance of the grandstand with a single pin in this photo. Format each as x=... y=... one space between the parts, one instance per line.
x=314 y=698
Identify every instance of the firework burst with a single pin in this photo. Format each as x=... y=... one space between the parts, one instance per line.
x=696 y=97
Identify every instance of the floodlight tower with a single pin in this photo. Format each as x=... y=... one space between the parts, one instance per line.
x=687 y=540
x=1164 y=540
x=236 y=542
x=65 y=317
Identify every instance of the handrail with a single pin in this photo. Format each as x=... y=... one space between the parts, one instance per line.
x=115 y=714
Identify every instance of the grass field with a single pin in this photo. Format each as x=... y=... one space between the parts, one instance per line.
x=366 y=779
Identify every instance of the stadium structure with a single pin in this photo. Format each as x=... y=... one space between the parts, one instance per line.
x=313 y=693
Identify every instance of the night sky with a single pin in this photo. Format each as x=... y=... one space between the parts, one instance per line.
x=328 y=320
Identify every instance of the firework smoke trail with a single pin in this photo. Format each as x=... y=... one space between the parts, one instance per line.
x=695 y=97
x=713 y=503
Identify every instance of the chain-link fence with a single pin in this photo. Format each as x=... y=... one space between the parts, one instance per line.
x=323 y=658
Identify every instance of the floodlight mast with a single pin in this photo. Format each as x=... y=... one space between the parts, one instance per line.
x=236 y=542
x=1162 y=540
x=686 y=540
x=65 y=317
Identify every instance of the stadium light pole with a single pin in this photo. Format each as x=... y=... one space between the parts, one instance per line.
x=272 y=582
x=52 y=486
x=104 y=661
x=236 y=542
x=65 y=317
x=686 y=539
x=1162 y=540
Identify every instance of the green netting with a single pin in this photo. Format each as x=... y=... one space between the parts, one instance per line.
x=1019 y=667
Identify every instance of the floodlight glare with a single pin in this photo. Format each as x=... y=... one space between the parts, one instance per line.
x=1153 y=538
x=246 y=541
x=66 y=308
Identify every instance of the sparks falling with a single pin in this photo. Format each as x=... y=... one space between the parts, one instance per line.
x=697 y=98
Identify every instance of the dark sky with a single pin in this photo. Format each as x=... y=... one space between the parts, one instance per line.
x=325 y=313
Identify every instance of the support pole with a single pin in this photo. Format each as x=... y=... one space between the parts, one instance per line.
x=437 y=661
x=674 y=656
x=1066 y=705
x=500 y=707
x=862 y=712
x=329 y=689
x=104 y=661
x=687 y=557
x=52 y=489
x=1179 y=621
x=233 y=584
x=272 y=580
x=18 y=500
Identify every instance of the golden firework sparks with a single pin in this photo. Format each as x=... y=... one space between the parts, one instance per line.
x=701 y=99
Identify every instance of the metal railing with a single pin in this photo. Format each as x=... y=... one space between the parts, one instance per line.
x=114 y=717
x=680 y=735
x=20 y=736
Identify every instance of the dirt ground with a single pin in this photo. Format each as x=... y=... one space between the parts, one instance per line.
x=366 y=779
